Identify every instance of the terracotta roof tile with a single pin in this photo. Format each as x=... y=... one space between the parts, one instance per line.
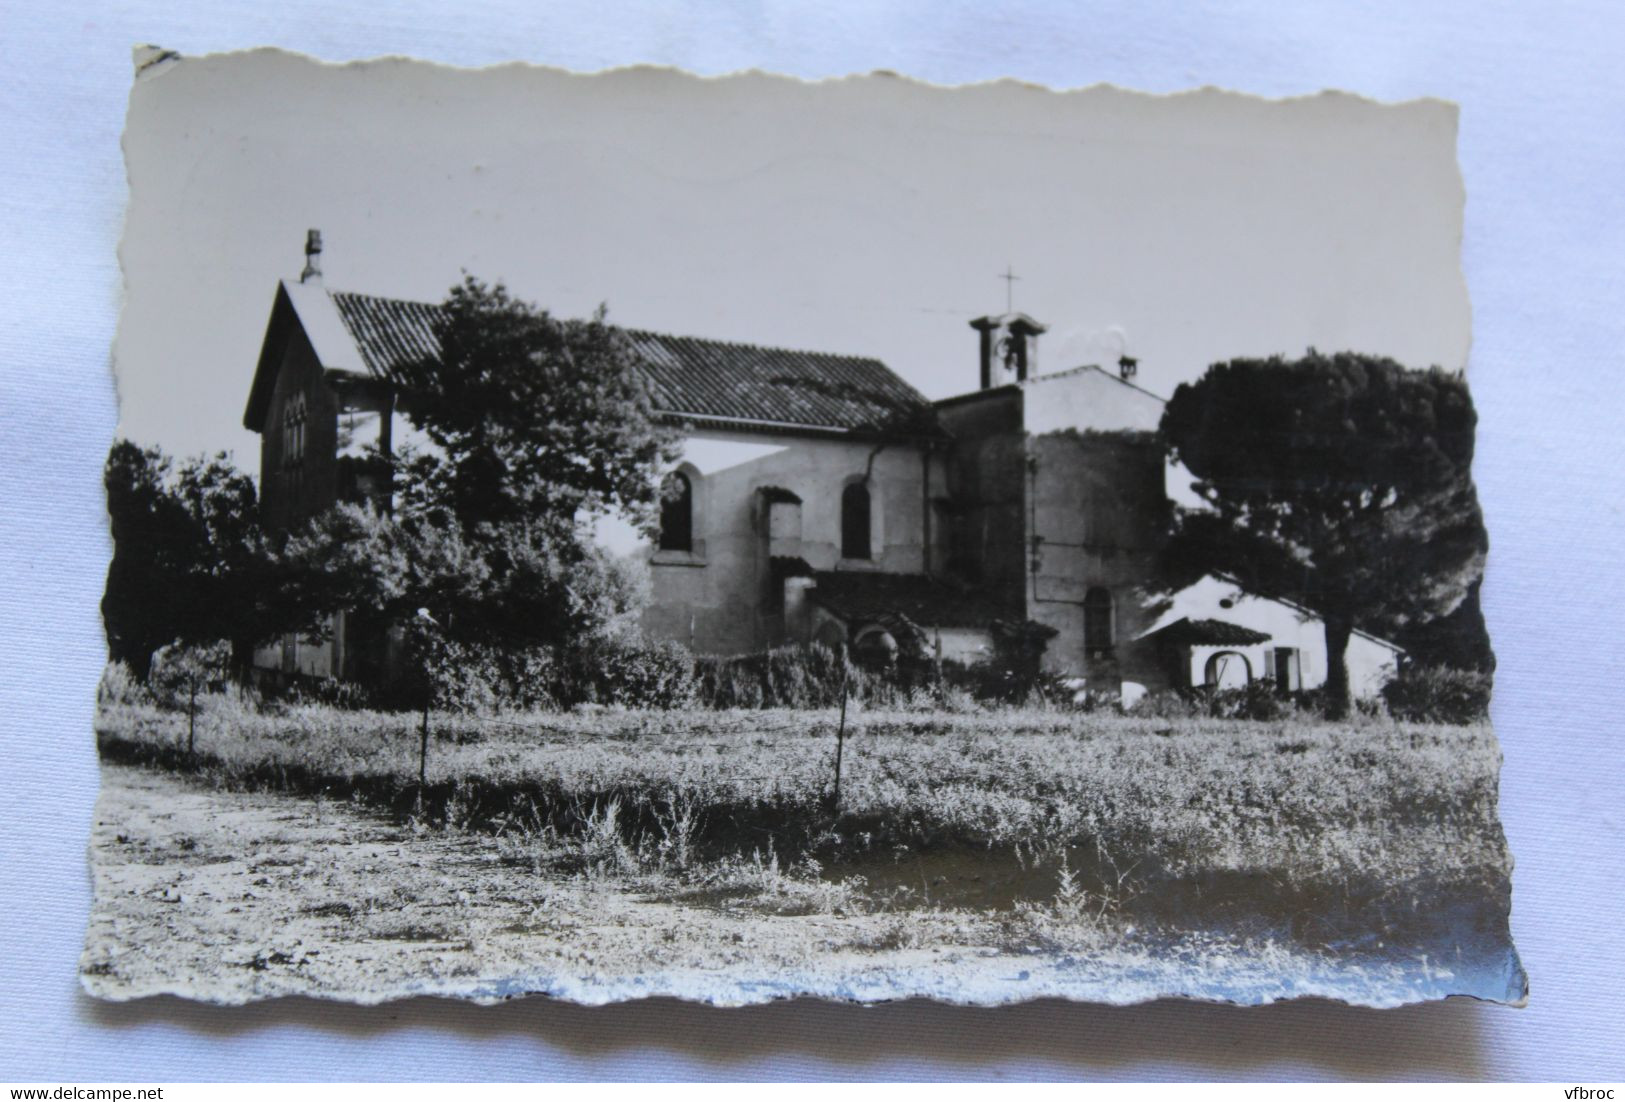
x=388 y=331
x=694 y=377
x=1207 y=633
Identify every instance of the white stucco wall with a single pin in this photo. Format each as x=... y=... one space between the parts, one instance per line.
x=1370 y=661
x=716 y=597
x=1089 y=399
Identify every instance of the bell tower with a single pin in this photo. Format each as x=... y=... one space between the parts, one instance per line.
x=1009 y=348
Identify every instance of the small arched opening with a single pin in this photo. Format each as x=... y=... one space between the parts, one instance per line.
x=677 y=513
x=1228 y=669
x=875 y=647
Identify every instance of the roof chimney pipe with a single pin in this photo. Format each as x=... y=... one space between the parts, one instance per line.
x=313 y=258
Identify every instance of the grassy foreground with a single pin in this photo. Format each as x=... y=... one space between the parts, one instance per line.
x=1335 y=833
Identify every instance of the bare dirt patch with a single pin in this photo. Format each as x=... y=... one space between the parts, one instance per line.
x=232 y=896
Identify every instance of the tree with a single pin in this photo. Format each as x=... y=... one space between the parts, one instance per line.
x=190 y=563
x=533 y=418
x=535 y=426
x=1341 y=481
x=355 y=557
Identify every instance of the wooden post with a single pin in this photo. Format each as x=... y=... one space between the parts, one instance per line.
x=423 y=749
x=840 y=738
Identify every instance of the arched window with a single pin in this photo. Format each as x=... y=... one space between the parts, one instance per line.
x=677 y=513
x=1228 y=670
x=855 y=522
x=1097 y=619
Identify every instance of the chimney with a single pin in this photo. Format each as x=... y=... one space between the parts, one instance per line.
x=313 y=258
x=1127 y=367
x=1009 y=347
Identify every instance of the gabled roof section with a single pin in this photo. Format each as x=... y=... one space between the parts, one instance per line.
x=862 y=595
x=1305 y=610
x=300 y=308
x=1196 y=608
x=1086 y=399
x=1186 y=632
x=1090 y=399
x=736 y=385
x=1096 y=369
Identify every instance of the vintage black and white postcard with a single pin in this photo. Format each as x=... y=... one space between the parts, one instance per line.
x=630 y=534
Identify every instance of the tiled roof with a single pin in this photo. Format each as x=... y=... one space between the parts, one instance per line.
x=388 y=331
x=1207 y=633
x=855 y=595
x=689 y=376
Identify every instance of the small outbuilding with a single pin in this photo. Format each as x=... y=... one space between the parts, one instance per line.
x=1216 y=634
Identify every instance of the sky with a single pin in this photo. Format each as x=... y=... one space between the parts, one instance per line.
x=868 y=215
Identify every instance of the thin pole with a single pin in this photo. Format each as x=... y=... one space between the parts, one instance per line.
x=191 y=718
x=423 y=747
x=840 y=737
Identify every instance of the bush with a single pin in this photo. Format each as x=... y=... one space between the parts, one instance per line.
x=802 y=676
x=119 y=686
x=1256 y=700
x=629 y=672
x=993 y=681
x=330 y=692
x=1015 y=673
x=472 y=678
x=809 y=676
x=180 y=673
x=1170 y=704
x=1439 y=694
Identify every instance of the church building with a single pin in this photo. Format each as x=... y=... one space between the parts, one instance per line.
x=819 y=497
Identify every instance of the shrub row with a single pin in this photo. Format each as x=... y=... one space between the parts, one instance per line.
x=785 y=677
x=636 y=673
x=619 y=672
x=1439 y=694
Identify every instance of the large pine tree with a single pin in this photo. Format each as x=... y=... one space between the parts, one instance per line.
x=1340 y=481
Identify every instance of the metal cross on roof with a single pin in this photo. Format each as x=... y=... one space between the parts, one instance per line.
x=1009 y=278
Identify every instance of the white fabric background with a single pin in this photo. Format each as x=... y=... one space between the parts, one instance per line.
x=1543 y=98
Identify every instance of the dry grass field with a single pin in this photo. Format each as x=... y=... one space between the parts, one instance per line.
x=613 y=854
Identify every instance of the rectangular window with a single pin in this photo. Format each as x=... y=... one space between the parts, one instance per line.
x=1286 y=669
x=1098 y=628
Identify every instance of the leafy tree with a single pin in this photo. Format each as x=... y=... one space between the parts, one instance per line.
x=1338 y=481
x=190 y=563
x=534 y=426
x=353 y=556
x=533 y=418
